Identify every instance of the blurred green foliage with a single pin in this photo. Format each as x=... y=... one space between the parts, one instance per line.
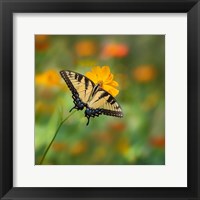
x=138 y=65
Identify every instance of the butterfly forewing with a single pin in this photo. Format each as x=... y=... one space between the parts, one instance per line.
x=78 y=84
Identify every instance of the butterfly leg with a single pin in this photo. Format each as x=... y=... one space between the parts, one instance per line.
x=73 y=108
x=88 y=114
x=88 y=117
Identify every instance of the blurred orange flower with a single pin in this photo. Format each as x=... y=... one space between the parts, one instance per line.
x=150 y=101
x=115 y=50
x=79 y=148
x=99 y=154
x=59 y=146
x=49 y=78
x=46 y=93
x=104 y=137
x=85 y=48
x=158 y=141
x=104 y=78
x=42 y=107
x=144 y=73
x=41 y=42
x=123 y=146
x=117 y=126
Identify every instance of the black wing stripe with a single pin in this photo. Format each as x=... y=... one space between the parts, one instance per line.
x=68 y=82
x=112 y=102
x=117 y=107
x=112 y=113
x=76 y=76
x=86 y=83
x=103 y=95
x=80 y=77
x=110 y=99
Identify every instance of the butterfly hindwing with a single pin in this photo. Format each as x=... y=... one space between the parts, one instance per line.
x=112 y=108
x=107 y=103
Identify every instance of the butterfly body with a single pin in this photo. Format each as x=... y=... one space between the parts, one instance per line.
x=87 y=94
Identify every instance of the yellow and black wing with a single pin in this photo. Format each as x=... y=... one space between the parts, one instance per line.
x=79 y=85
x=106 y=103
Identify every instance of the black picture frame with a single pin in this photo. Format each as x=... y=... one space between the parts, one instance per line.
x=8 y=7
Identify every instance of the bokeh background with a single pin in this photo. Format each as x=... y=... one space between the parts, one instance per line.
x=138 y=65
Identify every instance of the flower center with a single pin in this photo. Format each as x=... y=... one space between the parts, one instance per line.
x=100 y=83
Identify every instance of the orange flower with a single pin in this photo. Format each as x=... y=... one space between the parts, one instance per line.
x=79 y=148
x=46 y=93
x=104 y=78
x=115 y=50
x=41 y=42
x=99 y=154
x=117 y=126
x=158 y=141
x=150 y=101
x=50 y=78
x=144 y=73
x=104 y=137
x=85 y=48
x=42 y=107
x=59 y=146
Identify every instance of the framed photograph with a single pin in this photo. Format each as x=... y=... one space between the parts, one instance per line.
x=99 y=99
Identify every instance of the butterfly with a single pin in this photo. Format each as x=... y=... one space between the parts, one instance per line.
x=87 y=94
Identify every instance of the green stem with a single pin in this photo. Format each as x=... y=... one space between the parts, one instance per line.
x=61 y=123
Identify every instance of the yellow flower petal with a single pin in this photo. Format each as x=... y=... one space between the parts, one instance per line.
x=109 y=79
x=105 y=72
x=92 y=77
x=49 y=78
x=85 y=48
x=97 y=71
x=104 y=78
x=114 y=84
x=111 y=90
